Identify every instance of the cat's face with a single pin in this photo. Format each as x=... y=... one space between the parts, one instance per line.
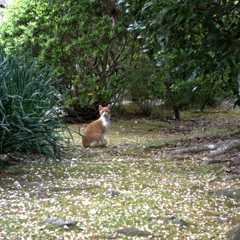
x=105 y=111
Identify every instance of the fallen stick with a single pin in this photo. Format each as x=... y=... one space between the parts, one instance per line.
x=195 y=149
x=225 y=147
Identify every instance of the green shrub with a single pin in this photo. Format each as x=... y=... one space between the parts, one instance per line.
x=77 y=39
x=211 y=90
x=143 y=85
x=27 y=99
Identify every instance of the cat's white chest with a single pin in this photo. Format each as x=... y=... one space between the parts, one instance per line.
x=105 y=122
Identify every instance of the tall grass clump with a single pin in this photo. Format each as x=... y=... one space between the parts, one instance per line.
x=27 y=102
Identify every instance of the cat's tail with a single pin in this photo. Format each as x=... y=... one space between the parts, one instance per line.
x=79 y=132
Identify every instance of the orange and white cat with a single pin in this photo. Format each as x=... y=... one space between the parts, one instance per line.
x=94 y=133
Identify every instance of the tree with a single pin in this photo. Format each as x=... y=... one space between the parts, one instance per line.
x=201 y=39
x=192 y=39
x=85 y=44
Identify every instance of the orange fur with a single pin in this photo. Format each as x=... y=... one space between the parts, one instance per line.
x=95 y=131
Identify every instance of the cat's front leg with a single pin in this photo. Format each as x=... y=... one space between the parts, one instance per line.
x=99 y=143
x=104 y=142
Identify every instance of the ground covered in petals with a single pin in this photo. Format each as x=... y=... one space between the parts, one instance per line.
x=132 y=189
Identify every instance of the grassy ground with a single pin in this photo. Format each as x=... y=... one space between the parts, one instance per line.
x=128 y=184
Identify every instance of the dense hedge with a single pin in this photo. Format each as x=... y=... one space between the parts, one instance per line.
x=78 y=40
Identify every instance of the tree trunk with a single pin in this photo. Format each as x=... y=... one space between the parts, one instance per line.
x=203 y=105
x=176 y=113
x=237 y=102
x=171 y=100
x=238 y=81
x=225 y=147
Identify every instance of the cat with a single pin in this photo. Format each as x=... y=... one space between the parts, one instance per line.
x=94 y=133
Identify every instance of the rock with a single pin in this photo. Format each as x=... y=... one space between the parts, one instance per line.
x=111 y=192
x=59 y=221
x=133 y=231
x=234 y=234
x=60 y=238
x=178 y=221
x=231 y=193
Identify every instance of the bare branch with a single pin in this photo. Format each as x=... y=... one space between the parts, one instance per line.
x=225 y=147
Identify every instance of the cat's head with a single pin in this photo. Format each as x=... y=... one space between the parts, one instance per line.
x=105 y=111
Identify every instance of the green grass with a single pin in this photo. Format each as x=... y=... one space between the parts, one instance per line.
x=152 y=189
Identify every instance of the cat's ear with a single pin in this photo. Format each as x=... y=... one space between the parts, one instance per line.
x=100 y=107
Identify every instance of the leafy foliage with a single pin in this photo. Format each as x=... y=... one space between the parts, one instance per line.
x=205 y=33
x=189 y=40
x=143 y=83
x=94 y=48
x=79 y=41
x=27 y=123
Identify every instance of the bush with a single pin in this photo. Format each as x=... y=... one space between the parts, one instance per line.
x=211 y=90
x=77 y=39
x=143 y=85
x=27 y=123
